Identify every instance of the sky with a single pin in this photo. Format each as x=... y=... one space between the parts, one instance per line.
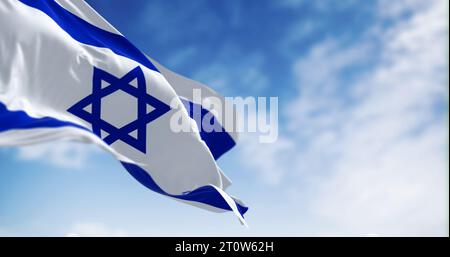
x=363 y=125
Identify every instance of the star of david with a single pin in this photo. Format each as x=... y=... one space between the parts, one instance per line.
x=139 y=125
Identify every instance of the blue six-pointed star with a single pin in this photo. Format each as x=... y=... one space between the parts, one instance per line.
x=143 y=99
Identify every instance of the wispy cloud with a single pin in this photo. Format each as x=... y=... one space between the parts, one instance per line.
x=389 y=175
x=64 y=154
x=321 y=5
x=369 y=130
x=272 y=162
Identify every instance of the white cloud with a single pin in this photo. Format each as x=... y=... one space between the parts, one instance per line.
x=371 y=148
x=395 y=9
x=272 y=160
x=319 y=5
x=322 y=90
x=389 y=174
x=94 y=230
x=65 y=154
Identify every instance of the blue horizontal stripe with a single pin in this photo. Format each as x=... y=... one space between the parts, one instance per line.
x=12 y=120
x=206 y=194
x=88 y=34
x=218 y=142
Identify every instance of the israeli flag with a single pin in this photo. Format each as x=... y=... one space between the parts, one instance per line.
x=66 y=73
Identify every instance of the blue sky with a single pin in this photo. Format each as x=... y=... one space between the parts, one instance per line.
x=363 y=112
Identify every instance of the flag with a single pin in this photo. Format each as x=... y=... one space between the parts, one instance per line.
x=66 y=73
